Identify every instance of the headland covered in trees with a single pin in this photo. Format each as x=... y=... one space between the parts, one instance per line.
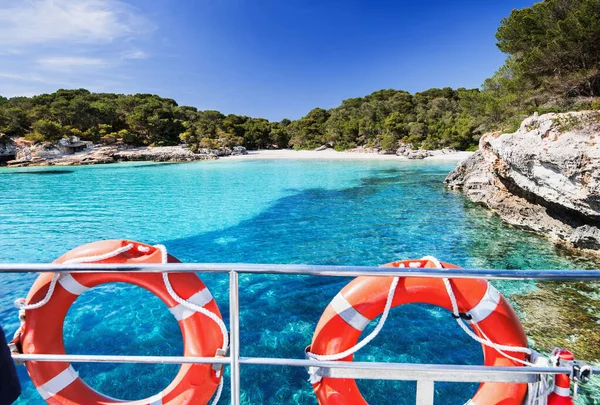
x=553 y=65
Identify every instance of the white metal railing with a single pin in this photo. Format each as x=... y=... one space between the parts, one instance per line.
x=424 y=374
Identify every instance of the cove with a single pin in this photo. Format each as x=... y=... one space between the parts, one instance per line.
x=314 y=212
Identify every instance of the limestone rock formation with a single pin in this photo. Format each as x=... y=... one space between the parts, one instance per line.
x=160 y=154
x=408 y=152
x=545 y=177
x=8 y=149
x=51 y=155
x=239 y=150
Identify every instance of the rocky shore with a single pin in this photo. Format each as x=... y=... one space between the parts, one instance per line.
x=403 y=150
x=8 y=149
x=543 y=178
x=73 y=152
x=63 y=154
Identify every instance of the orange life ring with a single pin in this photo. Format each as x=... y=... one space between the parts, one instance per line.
x=364 y=298
x=58 y=383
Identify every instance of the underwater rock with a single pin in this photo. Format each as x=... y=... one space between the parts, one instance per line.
x=545 y=177
x=561 y=314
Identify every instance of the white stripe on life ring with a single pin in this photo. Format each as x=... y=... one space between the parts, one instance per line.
x=71 y=285
x=486 y=306
x=562 y=392
x=348 y=313
x=155 y=400
x=201 y=298
x=61 y=381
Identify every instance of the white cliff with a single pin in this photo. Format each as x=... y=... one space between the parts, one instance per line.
x=545 y=177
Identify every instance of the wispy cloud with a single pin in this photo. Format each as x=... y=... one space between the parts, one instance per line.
x=26 y=77
x=30 y=22
x=70 y=63
x=7 y=52
x=50 y=43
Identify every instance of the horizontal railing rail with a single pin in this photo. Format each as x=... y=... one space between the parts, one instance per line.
x=312 y=270
x=334 y=369
x=424 y=374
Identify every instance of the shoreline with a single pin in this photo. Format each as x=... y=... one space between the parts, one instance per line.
x=180 y=154
x=330 y=154
x=544 y=178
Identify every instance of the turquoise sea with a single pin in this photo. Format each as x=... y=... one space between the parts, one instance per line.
x=314 y=212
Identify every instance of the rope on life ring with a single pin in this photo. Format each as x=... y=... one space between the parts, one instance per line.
x=476 y=302
x=43 y=313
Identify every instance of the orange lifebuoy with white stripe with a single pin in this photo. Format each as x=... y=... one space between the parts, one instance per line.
x=364 y=298
x=561 y=394
x=58 y=383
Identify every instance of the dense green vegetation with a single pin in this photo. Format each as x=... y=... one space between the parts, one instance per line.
x=141 y=119
x=554 y=46
x=553 y=65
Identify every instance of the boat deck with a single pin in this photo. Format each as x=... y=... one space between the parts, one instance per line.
x=424 y=374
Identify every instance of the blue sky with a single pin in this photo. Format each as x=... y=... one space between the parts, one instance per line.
x=261 y=58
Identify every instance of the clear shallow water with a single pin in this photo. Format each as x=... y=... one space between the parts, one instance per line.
x=319 y=212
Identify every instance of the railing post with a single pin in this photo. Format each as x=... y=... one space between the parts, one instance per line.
x=234 y=329
x=425 y=392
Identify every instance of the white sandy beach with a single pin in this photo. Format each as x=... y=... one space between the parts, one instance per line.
x=334 y=155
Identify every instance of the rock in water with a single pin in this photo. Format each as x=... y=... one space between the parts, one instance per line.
x=545 y=177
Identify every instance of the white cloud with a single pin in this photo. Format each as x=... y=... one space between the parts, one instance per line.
x=69 y=63
x=49 y=44
x=30 y=22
